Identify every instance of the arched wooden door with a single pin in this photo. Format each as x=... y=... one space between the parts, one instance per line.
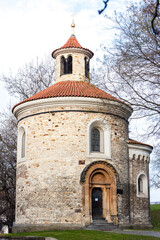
x=99 y=191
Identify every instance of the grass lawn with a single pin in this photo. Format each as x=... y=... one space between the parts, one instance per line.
x=155 y=216
x=86 y=235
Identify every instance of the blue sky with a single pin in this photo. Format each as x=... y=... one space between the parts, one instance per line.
x=34 y=28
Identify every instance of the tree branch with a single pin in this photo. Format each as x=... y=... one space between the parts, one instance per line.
x=155 y=30
x=105 y=5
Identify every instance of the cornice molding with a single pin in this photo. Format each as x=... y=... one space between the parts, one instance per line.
x=139 y=152
x=50 y=103
x=140 y=147
x=73 y=50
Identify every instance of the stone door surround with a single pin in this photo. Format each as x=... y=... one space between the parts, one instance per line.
x=100 y=174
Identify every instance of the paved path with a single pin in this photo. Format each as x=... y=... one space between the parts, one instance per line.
x=140 y=232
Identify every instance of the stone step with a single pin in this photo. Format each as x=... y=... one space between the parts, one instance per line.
x=101 y=222
x=102 y=225
x=101 y=228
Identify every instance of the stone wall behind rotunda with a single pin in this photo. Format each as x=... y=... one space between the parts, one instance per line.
x=48 y=179
x=139 y=205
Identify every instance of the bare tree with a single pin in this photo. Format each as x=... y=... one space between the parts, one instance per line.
x=130 y=70
x=8 y=135
x=30 y=79
x=156 y=14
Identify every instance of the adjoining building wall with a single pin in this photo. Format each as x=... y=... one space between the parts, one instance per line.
x=139 y=191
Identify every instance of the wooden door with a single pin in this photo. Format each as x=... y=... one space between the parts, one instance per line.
x=97 y=203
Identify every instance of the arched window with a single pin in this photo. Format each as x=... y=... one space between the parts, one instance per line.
x=63 y=65
x=66 y=65
x=23 y=145
x=95 y=140
x=98 y=142
x=86 y=67
x=69 y=65
x=142 y=186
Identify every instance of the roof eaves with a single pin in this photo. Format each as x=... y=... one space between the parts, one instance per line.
x=132 y=141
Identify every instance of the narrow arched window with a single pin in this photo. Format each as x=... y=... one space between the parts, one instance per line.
x=86 y=67
x=23 y=144
x=140 y=185
x=95 y=140
x=63 y=65
x=69 y=64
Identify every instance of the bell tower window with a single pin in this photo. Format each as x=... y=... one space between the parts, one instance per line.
x=66 y=65
x=86 y=67
x=69 y=65
x=63 y=65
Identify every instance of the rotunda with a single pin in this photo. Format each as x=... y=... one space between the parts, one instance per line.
x=75 y=161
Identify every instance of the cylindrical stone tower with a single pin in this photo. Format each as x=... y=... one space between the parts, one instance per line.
x=72 y=158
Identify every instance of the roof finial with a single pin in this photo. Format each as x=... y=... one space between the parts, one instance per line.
x=73 y=26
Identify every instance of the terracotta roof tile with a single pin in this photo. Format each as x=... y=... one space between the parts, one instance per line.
x=72 y=43
x=131 y=141
x=71 y=89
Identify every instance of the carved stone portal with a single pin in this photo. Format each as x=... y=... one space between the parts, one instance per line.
x=100 y=178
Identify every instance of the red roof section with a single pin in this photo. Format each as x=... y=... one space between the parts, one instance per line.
x=71 y=89
x=131 y=141
x=72 y=43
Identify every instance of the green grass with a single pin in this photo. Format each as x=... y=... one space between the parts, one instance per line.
x=155 y=216
x=85 y=235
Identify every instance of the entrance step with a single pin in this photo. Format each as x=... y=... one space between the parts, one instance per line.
x=101 y=224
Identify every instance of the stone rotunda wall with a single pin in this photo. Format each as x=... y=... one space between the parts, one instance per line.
x=48 y=178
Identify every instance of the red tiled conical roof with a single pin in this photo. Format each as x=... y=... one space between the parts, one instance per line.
x=72 y=43
x=71 y=89
x=131 y=141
